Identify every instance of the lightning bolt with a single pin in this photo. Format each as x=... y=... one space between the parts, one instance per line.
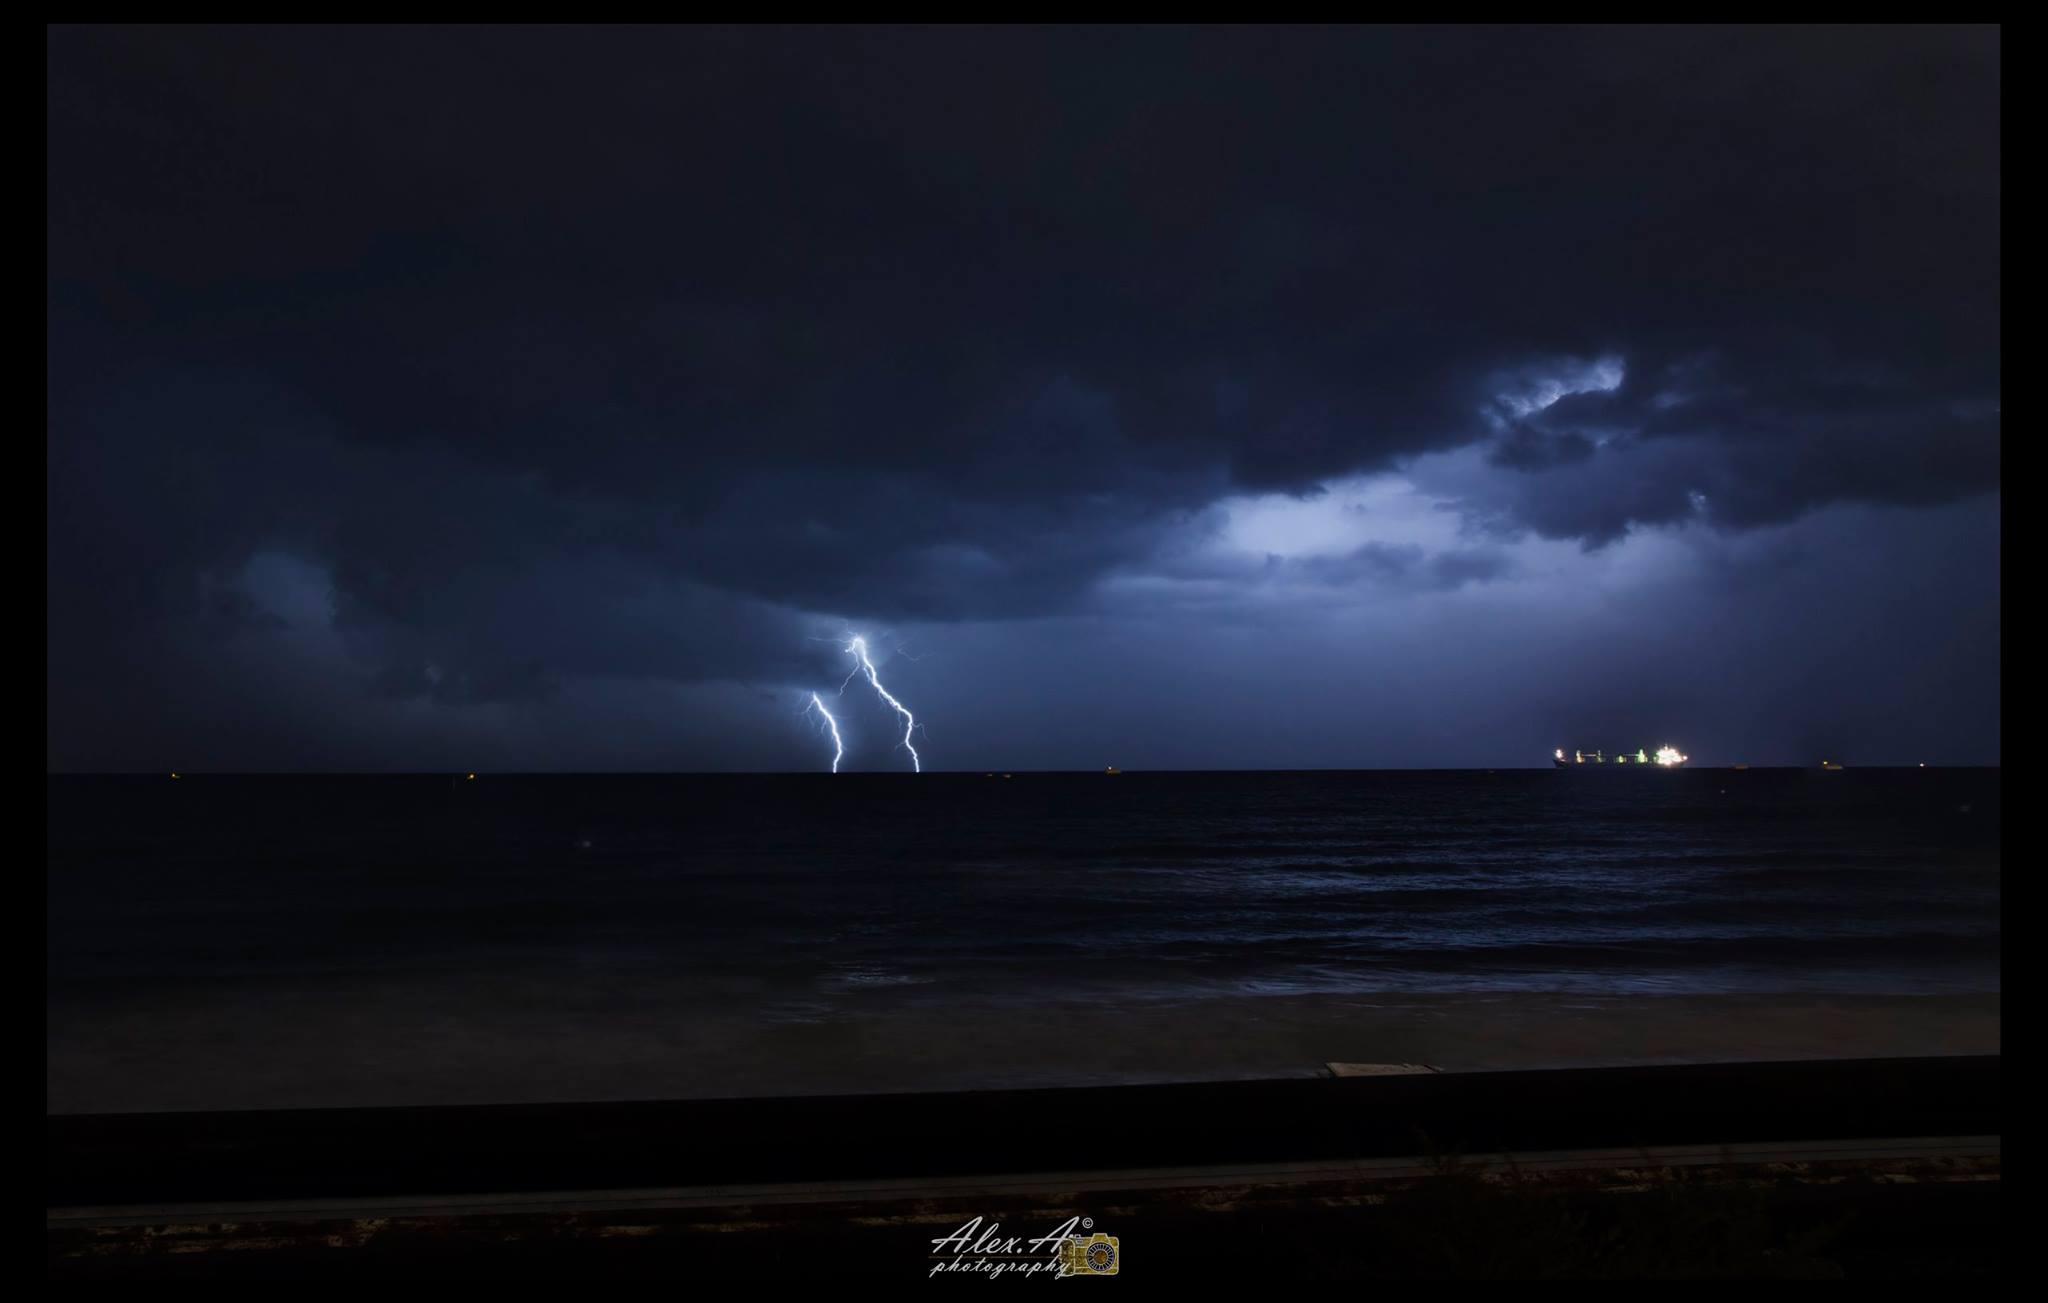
x=858 y=649
x=838 y=747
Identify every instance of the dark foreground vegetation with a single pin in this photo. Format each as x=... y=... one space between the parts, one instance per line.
x=1860 y=1170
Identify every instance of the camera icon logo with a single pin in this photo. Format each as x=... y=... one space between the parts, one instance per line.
x=1094 y=1256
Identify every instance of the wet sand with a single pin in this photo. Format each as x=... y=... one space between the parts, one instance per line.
x=393 y=1047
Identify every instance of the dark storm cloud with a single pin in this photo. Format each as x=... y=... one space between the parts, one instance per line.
x=643 y=352
x=1527 y=449
x=1740 y=444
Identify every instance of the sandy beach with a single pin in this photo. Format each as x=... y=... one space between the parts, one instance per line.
x=392 y=1047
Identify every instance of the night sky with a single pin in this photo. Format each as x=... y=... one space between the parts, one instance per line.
x=563 y=399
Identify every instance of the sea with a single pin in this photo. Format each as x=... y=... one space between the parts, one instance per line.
x=221 y=915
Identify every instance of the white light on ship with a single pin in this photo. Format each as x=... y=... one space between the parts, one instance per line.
x=1669 y=756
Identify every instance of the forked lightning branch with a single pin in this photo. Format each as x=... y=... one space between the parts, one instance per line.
x=857 y=648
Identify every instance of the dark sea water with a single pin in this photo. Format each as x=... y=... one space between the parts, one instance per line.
x=782 y=895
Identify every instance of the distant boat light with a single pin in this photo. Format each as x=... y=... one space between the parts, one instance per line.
x=1669 y=756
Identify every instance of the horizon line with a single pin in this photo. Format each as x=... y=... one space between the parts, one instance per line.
x=1816 y=767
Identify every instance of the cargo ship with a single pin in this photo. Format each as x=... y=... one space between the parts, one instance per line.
x=1662 y=758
